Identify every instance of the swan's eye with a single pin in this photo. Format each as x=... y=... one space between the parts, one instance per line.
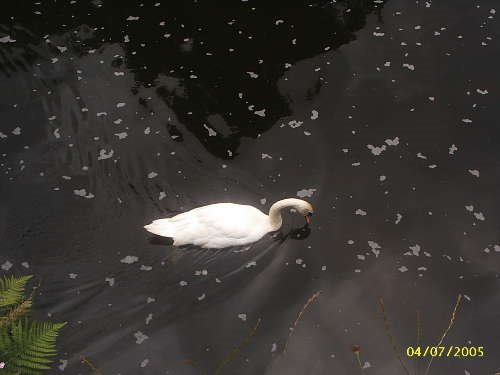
x=309 y=214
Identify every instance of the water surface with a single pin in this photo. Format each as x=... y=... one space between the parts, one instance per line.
x=382 y=114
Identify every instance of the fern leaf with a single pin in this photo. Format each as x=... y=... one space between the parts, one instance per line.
x=16 y=312
x=29 y=346
x=12 y=289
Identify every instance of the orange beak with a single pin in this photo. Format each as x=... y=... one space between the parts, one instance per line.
x=308 y=219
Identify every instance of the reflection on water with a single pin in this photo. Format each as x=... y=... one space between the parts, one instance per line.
x=380 y=114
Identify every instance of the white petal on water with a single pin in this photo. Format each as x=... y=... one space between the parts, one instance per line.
x=73 y=275
x=140 y=337
x=103 y=155
x=2 y=135
x=409 y=66
x=162 y=195
x=398 y=218
x=56 y=133
x=253 y=75
x=266 y=156
x=474 y=172
x=360 y=212
x=120 y=105
x=183 y=283
x=374 y=248
x=274 y=347
x=243 y=317
x=314 y=114
x=482 y=92
x=129 y=259
x=415 y=250
x=479 y=216
x=452 y=149
x=392 y=142
x=421 y=156
x=132 y=18
x=366 y=365
x=469 y=208
x=25 y=264
x=211 y=132
x=99 y=114
x=403 y=269
x=16 y=131
x=121 y=135
x=376 y=150
x=305 y=193
x=64 y=363
x=6 y=265
x=149 y=318
x=150 y=300
x=467 y=297
x=110 y=280
x=467 y=120
x=295 y=124
x=145 y=268
x=261 y=113
x=251 y=264
x=144 y=362
x=202 y=297
x=263 y=201
x=152 y=174
x=83 y=193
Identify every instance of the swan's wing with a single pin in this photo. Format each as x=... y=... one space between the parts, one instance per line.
x=219 y=225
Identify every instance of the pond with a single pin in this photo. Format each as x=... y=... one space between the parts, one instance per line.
x=382 y=114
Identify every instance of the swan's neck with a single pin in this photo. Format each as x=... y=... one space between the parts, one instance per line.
x=275 y=211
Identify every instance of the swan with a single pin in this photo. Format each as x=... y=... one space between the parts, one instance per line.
x=222 y=225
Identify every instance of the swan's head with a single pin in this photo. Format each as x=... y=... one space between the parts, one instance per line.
x=306 y=209
x=302 y=207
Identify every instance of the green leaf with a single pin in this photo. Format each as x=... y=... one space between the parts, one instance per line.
x=12 y=290
x=29 y=347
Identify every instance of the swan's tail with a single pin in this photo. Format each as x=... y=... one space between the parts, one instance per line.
x=161 y=227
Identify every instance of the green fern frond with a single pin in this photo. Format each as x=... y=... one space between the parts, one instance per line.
x=12 y=290
x=29 y=346
x=16 y=312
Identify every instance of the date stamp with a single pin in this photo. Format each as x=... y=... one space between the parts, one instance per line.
x=446 y=351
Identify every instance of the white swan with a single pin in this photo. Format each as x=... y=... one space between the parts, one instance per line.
x=225 y=224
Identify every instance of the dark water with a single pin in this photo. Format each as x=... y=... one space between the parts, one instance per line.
x=384 y=115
